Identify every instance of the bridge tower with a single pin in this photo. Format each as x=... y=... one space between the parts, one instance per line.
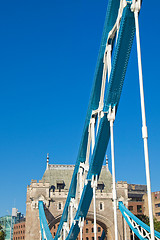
x=53 y=190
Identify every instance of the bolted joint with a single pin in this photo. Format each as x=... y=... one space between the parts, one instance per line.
x=114 y=195
x=100 y=110
x=136 y=5
x=81 y=222
x=144 y=132
x=111 y=114
x=108 y=49
x=73 y=203
x=84 y=166
x=117 y=203
x=92 y=121
x=65 y=227
x=94 y=181
x=75 y=221
x=105 y=57
x=87 y=181
x=81 y=168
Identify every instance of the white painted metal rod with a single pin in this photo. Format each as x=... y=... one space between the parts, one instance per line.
x=64 y=233
x=109 y=60
x=93 y=132
x=71 y=213
x=88 y=145
x=80 y=180
x=81 y=225
x=81 y=233
x=144 y=127
x=94 y=210
x=114 y=181
x=125 y=229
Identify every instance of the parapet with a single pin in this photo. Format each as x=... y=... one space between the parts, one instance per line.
x=122 y=184
x=39 y=184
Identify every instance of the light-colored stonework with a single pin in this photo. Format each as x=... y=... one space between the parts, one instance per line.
x=155 y=204
x=54 y=199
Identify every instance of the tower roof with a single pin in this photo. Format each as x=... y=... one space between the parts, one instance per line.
x=58 y=173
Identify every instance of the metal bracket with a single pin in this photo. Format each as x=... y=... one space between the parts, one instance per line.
x=66 y=227
x=94 y=181
x=81 y=222
x=84 y=166
x=136 y=5
x=86 y=181
x=111 y=114
x=144 y=132
x=108 y=49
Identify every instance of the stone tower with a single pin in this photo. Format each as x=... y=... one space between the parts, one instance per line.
x=53 y=190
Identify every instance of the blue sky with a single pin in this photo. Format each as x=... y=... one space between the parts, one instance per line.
x=48 y=52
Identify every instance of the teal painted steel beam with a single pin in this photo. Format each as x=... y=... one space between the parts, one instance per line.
x=121 y=56
x=119 y=66
x=111 y=15
x=45 y=231
x=124 y=210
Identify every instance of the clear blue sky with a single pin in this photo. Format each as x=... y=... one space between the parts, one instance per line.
x=48 y=52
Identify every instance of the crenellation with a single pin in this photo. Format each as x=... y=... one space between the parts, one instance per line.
x=33 y=181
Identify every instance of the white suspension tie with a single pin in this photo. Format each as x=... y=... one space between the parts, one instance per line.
x=64 y=231
x=80 y=180
x=81 y=225
x=123 y=4
x=94 y=185
x=93 y=132
x=125 y=229
x=71 y=211
x=88 y=146
x=109 y=60
x=106 y=67
x=106 y=61
x=111 y=118
x=101 y=102
x=135 y=8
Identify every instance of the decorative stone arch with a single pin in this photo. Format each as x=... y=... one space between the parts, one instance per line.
x=101 y=220
x=105 y=223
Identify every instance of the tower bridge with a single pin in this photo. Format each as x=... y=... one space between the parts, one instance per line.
x=53 y=188
x=92 y=194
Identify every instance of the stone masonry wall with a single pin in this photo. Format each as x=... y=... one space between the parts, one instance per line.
x=55 y=199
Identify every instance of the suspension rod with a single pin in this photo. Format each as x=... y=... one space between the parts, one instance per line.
x=144 y=127
x=111 y=118
x=81 y=225
x=125 y=229
x=94 y=185
x=114 y=182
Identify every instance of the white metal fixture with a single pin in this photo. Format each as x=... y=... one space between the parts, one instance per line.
x=111 y=118
x=81 y=225
x=94 y=185
x=135 y=8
